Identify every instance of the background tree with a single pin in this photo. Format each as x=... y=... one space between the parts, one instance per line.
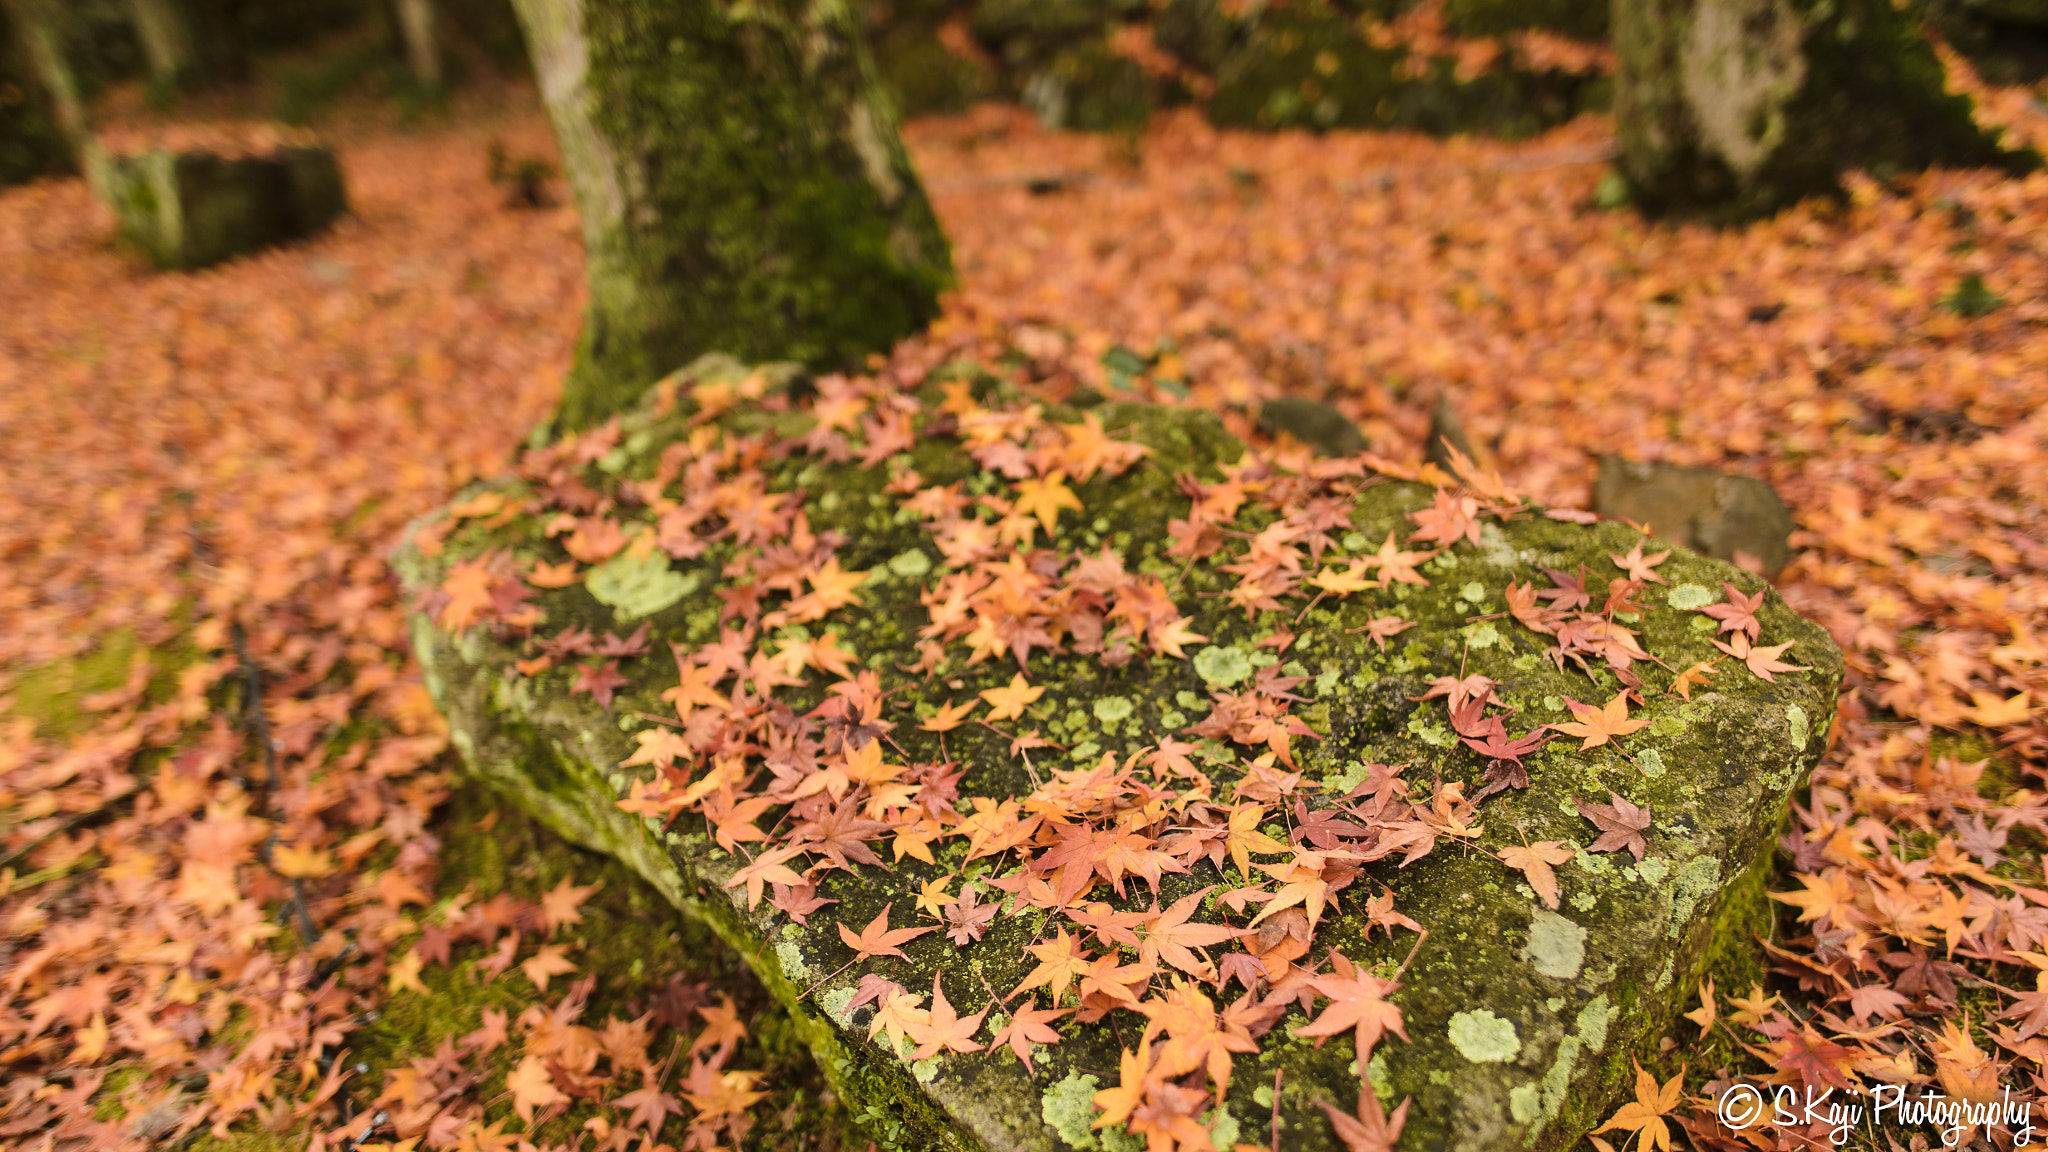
x=1738 y=107
x=416 y=20
x=741 y=187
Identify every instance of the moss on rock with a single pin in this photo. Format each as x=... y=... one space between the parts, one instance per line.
x=1307 y=67
x=1581 y=989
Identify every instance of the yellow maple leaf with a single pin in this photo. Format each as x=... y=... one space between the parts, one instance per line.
x=296 y=863
x=1008 y=703
x=532 y=1088
x=948 y=717
x=1991 y=712
x=551 y=961
x=406 y=973
x=1044 y=498
x=1344 y=583
x=833 y=586
x=1598 y=725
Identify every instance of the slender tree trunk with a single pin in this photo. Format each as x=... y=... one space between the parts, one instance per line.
x=42 y=36
x=1730 y=108
x=166 y=34
x=741 y=185
x=422 y=50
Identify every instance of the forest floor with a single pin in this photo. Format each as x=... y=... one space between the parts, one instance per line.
x=206 y=472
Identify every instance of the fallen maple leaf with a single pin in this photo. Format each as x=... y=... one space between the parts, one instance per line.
x=948 y=717
x=943 y=1029
x=532 y=1088
x=1044 y=499
x=552 y=960
x=1008 y=703
x=1644 y=1115
x=1372 y=1129
x=1598 y=725
x=1698 y=674
x=1028 y=1025
x=1762 y=660
x=1358 y=1005
x=1621 y=825
x=878 y=939
x=1636 y=566
x=1535 y=862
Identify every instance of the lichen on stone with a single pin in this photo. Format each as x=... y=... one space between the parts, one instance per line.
x=1484 y=1038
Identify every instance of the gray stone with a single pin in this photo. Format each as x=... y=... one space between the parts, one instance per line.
x=1707 y=511
x=1521 y=1019
x=1446 y=431
x=1319 y=425
x=188 y=209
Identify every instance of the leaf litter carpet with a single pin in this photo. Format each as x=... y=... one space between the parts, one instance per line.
x=217 y=464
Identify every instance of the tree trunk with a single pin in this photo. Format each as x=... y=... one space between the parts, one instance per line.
x=1734 y=108
x=43 y=38
x=422 y=50
x=166 y=36
x=741 y=185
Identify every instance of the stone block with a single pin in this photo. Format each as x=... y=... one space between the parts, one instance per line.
x=1521 y=1014
x=189 y=207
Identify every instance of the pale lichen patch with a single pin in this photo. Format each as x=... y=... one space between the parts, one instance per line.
x=1068 y=1108
x=1556 y=946
x=1484 y=1038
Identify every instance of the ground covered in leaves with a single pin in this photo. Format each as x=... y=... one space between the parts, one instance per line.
x=220 y=916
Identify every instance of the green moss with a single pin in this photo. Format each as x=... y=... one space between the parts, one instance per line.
x=1643 y=931
x=1821 y=87
x=783 y=220
x=1306 y=66
x=51 y=695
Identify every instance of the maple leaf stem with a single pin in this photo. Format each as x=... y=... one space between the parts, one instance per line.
x=827 y=980
x=1277 y=1074
x=1423 y=935
x=1310 y=605
x=670 y=721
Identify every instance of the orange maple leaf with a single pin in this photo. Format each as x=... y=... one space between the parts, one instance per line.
x=1644 y=1115
x=1598 y=725
x=1535 y=862
x=532 y=1088
x=878 y=939
x=1008 y=703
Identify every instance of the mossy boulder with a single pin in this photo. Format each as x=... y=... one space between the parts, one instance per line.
x=1521 y=1019
x=187 y=209
x=1305 y=67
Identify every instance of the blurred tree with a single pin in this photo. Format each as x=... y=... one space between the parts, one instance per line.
x=741 y=187
x=166 y=34
x=1732 y=108
x=31 y=144
x=43 y=39
x=416 y=19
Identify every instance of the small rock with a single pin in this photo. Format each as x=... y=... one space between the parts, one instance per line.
x=1726 y=517
x=1446 y=432
x=1314 y=423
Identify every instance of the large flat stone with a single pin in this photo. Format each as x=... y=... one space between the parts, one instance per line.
x=1521 y=1020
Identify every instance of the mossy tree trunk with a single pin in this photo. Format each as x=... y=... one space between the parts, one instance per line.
x=741 y=185
x=165 y=29
x=1731 y=108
